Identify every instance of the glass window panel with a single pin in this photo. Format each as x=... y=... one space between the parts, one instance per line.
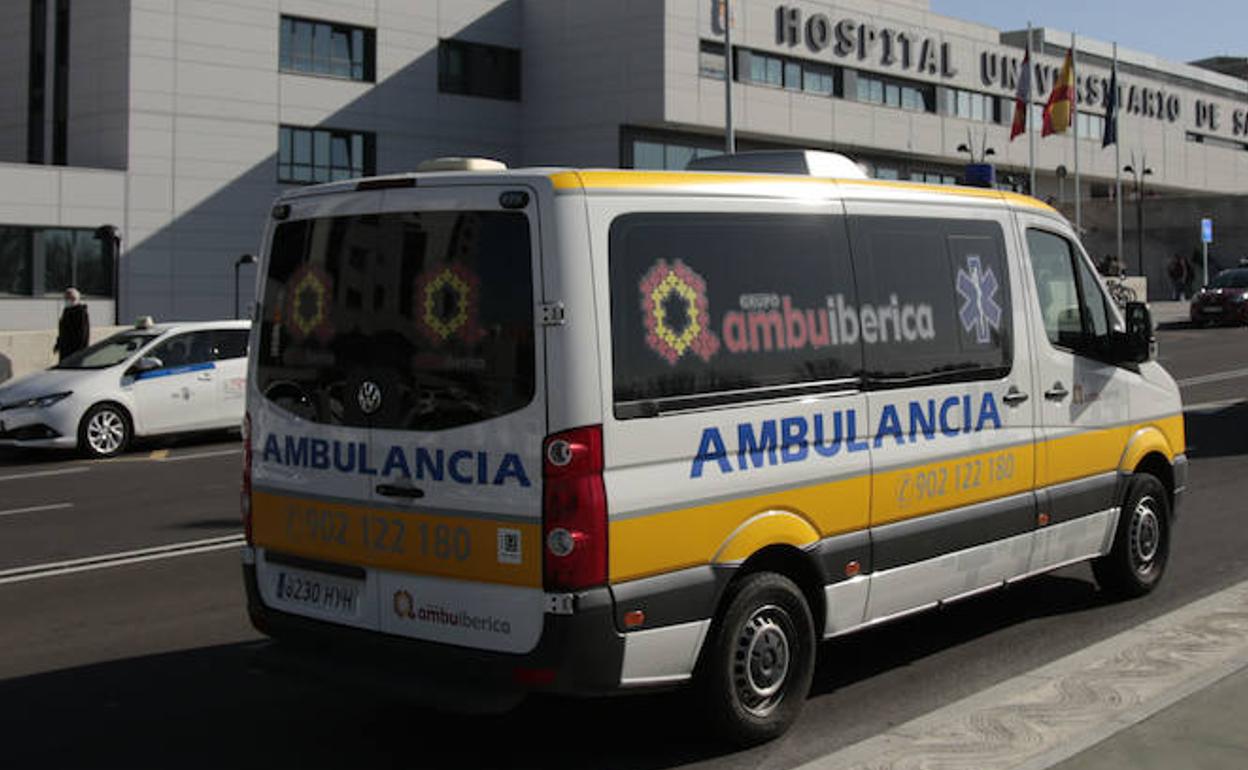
x=58 y=260
x=341 y=155
x=286 y=43
x=93 y=270
x=711 y=64
x=877 y=91
x=301 y=55
x=283 y=145
x=341 y=64
x=357 y=154
x=676 y=157
x=792 y=75
x=647 y=155
x=977 y=107
x=864 y=89
x=320 y=148
x=302 y=174
x=15 y=261
x=886 y=173
x=303 y=145
x=775 y=75
x=321 y=48
x=892 y=95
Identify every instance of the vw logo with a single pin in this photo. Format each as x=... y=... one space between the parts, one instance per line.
x=369 y=397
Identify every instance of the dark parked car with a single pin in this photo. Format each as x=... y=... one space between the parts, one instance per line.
x=1224 y=300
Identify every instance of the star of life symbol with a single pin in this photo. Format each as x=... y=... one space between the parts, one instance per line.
x=977 y=285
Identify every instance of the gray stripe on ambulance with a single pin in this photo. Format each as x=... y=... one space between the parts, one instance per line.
x=1081 y=497
x=925 y=537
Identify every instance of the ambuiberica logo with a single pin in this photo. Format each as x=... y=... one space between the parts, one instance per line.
x=676 y=310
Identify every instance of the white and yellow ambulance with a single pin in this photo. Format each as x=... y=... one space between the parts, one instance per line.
x=592 y=431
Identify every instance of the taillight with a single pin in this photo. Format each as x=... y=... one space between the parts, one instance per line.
x=244 y=497
x=574 y=510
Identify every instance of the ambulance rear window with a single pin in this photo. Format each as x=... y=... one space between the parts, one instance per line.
x=405 y=321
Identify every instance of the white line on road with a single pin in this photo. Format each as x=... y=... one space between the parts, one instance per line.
x=36 y=509
x=103 y=561
x=202 y=455
x=1204 y=379
x=40 y=474
x=1214 y=406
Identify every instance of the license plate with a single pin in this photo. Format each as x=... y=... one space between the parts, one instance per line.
x=309 y=590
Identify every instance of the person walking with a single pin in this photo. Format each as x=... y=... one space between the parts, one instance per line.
x=1178 y=276
x=74 y=330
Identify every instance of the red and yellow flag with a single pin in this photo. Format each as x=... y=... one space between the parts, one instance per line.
x=1061 y=106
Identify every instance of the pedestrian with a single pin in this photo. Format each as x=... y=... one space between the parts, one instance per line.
x=74 y=329
x=1178 y=275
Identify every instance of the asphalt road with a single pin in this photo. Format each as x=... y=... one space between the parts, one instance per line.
x=149 y=661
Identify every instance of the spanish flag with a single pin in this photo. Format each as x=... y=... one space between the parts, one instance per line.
x=1058 y=111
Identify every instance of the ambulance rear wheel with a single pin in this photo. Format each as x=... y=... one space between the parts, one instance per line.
x=758 y=662
x=1141 y=543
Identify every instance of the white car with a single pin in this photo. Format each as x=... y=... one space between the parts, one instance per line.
x=145 y=381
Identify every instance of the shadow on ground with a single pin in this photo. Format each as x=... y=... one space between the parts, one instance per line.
x=1223 y=433
x=217 y=706
x=22 y=456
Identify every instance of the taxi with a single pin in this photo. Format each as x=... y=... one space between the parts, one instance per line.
x=145 y=381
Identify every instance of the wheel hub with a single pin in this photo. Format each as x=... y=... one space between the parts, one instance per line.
x=762 y=660
x=1145 y=534
x=105 y=432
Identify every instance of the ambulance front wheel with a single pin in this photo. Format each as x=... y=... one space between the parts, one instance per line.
x=756 y=668
x=1141 y=547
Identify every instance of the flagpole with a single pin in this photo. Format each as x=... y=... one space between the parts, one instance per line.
x=1117 y=153
x=730 y=137
x=1074 y=106
x=1029 y=121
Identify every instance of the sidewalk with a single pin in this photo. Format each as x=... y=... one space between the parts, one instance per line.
x=1206 y=730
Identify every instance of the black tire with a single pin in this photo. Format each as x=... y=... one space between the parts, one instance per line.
x=1141 y=548
x=755 y=671
x=105 y=431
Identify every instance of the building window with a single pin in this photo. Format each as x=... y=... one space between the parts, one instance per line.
x=324 y=48
x=36 y=86
x=711 y=60
x=896 y=93
x=970 y=105
x=1091 y=126
x=933 y=177
x=308 y=155
x=60 y=87
x=35 y=261
x=1215 y=141
x=669 y=156
x=791 y=74
x=475 y=69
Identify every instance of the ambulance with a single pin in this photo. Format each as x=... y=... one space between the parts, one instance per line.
x=601 y=431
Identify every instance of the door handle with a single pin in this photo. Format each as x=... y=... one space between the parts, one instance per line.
x=1014 y=396
x=1057 y=392
x=393 y=490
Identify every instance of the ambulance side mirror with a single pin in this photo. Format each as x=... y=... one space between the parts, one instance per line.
x=1136 y=343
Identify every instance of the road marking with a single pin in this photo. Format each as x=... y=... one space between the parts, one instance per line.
x=40 y=474
x=1048 y=715
x=202 y=455
x=1214 y=406
x=159 y=454
x=36 y=508
x=104 y=561
x=1204 y=379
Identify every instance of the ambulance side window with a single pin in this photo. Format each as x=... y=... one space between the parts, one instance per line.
x=712 y=309
x=1075 y=311
x=935 y=299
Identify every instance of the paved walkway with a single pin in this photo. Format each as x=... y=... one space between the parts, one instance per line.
x=1206 y=731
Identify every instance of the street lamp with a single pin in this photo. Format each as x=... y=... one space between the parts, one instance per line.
x=246 y=259
x=110 y=241
x=1138 y=175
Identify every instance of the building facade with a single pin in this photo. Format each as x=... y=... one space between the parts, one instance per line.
x=178 y=121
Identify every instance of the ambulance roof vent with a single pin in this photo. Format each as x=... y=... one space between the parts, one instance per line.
x=462 y=164
x=803 y=162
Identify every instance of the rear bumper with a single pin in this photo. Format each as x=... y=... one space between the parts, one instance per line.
x=578 y=654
